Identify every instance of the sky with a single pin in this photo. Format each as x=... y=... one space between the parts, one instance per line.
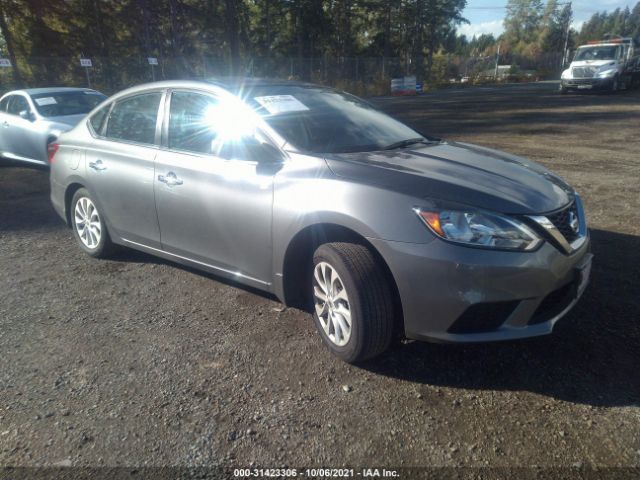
x=485 y=16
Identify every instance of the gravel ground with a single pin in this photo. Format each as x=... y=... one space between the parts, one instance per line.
x=136 y=361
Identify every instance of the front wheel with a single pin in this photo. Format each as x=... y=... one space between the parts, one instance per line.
x=353 y=301
x=89 y=227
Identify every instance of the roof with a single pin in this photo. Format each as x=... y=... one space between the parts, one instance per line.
x=235 y=84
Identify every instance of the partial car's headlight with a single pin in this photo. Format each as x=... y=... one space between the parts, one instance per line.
x=607 y=73
x=566 y=74
x=480 y=229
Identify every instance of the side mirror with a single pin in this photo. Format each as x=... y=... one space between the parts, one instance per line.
x=27 y=115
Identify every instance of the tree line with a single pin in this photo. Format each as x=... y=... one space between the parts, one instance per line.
x=327 y=40
x=534 y=31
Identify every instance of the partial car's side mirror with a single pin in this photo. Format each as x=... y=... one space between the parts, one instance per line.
x=27 y=115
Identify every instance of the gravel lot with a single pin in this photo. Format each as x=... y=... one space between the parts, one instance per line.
x=136 y=361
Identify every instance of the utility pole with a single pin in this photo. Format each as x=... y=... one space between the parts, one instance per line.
x=566 y=39
x=495 y=75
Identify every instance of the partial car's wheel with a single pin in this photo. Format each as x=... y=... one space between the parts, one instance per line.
x=353 y=302
x=562 y=90
x=89 y=227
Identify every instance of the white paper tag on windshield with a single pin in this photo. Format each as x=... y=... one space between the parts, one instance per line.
x=281 y=103
x=45 y=101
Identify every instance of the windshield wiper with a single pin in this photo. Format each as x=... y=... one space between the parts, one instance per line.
x=406 y=143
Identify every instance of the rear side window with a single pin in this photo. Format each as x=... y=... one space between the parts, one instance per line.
x=97 y=119
x=18 y=104
x=134 y=118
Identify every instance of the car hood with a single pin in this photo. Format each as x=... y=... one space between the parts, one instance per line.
x=459 y=173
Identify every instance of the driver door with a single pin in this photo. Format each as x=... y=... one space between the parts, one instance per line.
x=21 y=138
x=214 y=205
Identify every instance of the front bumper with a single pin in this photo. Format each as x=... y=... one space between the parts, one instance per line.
x=587 y=83
x=452 y=293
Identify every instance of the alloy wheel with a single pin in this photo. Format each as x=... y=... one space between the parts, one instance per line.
x=332 y=304
x=87 y=222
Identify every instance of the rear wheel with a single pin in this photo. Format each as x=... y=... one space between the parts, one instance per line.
x=353 y=302
x=89 y=227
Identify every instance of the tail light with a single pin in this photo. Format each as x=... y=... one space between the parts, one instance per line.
x=52 y=148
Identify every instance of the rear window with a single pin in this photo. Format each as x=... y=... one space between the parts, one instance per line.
x=60 y=104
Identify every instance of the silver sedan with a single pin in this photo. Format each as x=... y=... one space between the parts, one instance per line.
x=31 y=119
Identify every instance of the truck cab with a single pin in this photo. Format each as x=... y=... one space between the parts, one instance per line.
x=611 y=64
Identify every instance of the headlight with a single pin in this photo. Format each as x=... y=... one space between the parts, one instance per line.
x=607 y=73
x=566 y=74
x=480 y=229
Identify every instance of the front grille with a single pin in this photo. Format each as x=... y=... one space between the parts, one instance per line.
x=483 y=317
x=583 y=72
x=563 y=220
x=580 y=81
x=554 y=303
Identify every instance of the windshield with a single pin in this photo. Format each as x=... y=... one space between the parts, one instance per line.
x=320 y=120
x=58 y=104
x=610 y=52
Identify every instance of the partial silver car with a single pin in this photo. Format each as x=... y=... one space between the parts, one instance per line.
x=31 y=119
x=319 y=198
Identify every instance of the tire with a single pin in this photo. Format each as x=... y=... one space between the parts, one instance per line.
x=95 y=240
x=359 y=286
x=562 y=90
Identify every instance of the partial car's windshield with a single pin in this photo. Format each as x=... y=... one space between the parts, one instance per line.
x=321 y=120
x=610 y=52
x=58 y=104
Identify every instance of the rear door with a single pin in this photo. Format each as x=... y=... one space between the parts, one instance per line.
x=120 y=167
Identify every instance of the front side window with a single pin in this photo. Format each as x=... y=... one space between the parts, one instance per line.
x=134 y=118
x=203 y=124
x=191 y=123
x=18 y=104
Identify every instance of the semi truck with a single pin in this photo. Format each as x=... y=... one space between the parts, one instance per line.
x=611 y=64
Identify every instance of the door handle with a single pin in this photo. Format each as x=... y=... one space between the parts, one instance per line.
x=5 y=124
x=97 y=165
x=170 y=179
